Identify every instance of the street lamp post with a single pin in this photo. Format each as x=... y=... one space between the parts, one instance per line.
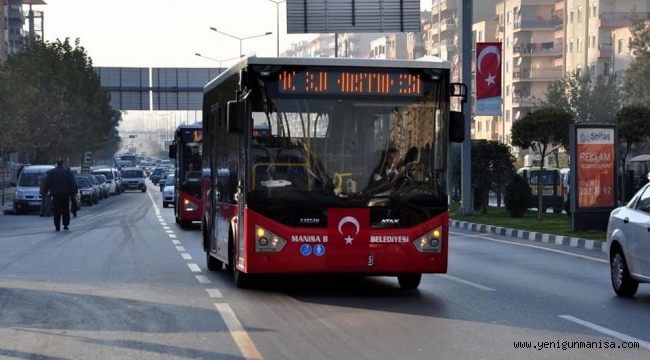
x=241 y=39
x=277 y=24
x=217 y=60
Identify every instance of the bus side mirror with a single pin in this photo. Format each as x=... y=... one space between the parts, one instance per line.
x=456 y=127
x=172 y=151
x=236 y=115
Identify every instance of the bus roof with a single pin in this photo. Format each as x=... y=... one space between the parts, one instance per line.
x=196 y=125
x=428 y=62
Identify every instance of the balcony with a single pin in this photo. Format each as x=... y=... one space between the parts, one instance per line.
x=523 y=101
x=447 y=4
x=604 y=50
x=448 y=25
x=541 y=49
x=559 y=5
x=542 y=74
x=539 y=23
x=621 y=19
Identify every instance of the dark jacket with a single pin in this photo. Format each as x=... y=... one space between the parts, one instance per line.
x=60 y=181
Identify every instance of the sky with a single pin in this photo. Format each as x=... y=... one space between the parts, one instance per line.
x=166 y=33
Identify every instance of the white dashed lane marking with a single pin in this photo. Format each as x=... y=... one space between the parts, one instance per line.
x=169 y=231
x=203 y=279
x=606 y=331
x=194 y=268
x=173 y=236
x=214 y=293
x=186 y=256
x=181 y=249
x=176 y=242
x=243 y=341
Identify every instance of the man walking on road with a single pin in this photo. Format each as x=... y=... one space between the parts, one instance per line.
x=60 y=183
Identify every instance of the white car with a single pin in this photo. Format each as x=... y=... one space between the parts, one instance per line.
x=168 y=191
x=628 y=242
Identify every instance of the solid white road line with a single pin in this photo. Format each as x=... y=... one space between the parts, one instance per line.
x=606 y=331
x=203 y=279
x=466 y=282
x=214 y=293
x=243 y=341
x=186 y=256
x=534 y=247
x=194 y=268
x=181 y=249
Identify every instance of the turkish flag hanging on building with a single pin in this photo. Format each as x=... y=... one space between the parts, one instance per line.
x=488 y=78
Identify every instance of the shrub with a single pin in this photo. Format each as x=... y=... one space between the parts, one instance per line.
x=517 y=197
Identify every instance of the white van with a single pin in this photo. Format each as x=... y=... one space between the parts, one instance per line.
x=133 y=179
x=28 y=197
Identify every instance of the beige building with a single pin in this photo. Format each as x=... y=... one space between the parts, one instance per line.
x=621 y=55
x=588 y=31
x=392 y=46
x=531 y=49
x=3 y=36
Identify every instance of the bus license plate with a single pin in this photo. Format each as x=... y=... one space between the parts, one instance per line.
x=34 y=203
x=548 y=192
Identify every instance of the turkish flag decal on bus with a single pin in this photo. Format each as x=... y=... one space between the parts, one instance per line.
x=349 y=237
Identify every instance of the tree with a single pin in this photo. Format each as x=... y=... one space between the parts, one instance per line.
x=635 y=78
x=57 y=107
x=633 y=126
x=493 y=165
x=543 y=130
x=588 y=99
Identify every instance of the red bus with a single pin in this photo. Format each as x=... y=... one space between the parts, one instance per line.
x=187 y=150
x=327 y=165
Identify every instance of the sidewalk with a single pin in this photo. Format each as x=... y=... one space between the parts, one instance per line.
x=10 y=192
x=577 y=243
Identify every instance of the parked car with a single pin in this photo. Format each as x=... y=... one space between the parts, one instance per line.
x=111 y=178
x=105 y=186
x=133 y=179
x=28 y=197
x=628 y=242
x=86 y=190
x=168 y=191
x=95 y=189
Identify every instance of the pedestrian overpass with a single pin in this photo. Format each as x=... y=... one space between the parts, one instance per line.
x=143 y=88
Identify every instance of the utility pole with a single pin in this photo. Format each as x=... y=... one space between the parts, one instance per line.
x=467 y=207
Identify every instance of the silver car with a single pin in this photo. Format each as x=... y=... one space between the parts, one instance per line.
x=628 y=241
x=168 y=191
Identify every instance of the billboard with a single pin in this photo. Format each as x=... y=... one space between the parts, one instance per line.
x=488 y=78
x=596 y=167
x=349 y=16
x=594 y=178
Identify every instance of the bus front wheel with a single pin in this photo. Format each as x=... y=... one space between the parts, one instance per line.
x=409 y=281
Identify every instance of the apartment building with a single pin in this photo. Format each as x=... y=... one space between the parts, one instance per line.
x=588 y=30
x=392 y=46
x=15 y=21
x=622 y=57
x=3 y=25
x=527 y=29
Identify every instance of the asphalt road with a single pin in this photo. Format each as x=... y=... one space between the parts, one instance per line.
x=126 y=282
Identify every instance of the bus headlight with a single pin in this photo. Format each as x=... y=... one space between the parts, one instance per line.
x=429 y=242
x=266 y=241
x=190 y=206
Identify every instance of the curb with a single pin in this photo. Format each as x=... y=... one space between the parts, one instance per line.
x=573 y=242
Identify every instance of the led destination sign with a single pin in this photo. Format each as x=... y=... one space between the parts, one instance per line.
x=349 y=82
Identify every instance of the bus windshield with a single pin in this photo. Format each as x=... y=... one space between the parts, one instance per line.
x=349 y=151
